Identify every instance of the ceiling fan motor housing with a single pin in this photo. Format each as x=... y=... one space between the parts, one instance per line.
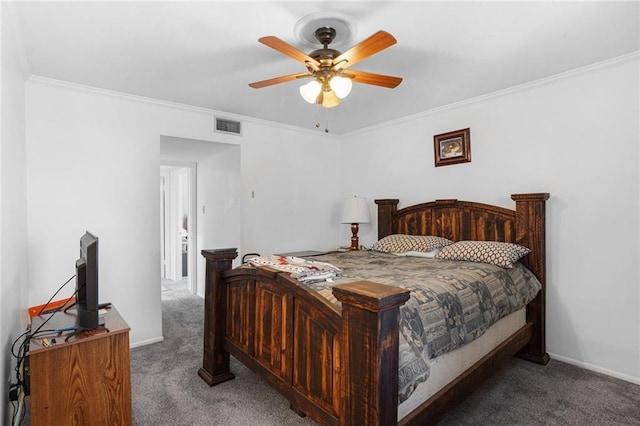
x=325 y=36
x=328 y=65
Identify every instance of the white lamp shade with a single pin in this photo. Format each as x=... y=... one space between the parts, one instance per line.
x=341 y=86
x=329 y=99
x=356 y=211
x=310 y=91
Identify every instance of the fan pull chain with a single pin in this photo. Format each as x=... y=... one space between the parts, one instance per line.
x=326 y=120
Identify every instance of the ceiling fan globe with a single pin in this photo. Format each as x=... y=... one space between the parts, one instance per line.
x=341 y=86
x=329 y=99
x=310 y=91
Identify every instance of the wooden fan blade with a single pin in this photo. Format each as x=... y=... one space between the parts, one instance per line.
x=286 y=49
x=375 y=79
x=277 y=80
x=367 y=47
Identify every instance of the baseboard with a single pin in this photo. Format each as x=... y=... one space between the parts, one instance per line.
x=597 y=369
x=146 y=342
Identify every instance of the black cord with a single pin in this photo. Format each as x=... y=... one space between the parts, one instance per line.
x=57 y=331
x=21 y=355
x=58 y=309
x=25 y=344
x=54 y=295
x=22 y=352
x=16 y=341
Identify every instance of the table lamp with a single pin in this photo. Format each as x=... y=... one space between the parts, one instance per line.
x=355 y=212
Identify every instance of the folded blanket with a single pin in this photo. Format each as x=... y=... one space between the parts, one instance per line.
x=305 y=271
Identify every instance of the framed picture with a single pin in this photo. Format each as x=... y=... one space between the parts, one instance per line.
x=452 y=148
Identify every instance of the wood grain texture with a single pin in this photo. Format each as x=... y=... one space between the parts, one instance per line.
x=530 y=232
x=278 y=80
x=370 y=334
x=315 y=346
x=452 y=219
x=215 y=361
x=364 y=77
x=272 y=325
x=340 y=366
x=286 y=49
x=86 y=381
x=367 y=47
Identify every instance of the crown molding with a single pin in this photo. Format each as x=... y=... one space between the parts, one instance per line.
x=493 y=95
x=47 y=81
x=412 y=117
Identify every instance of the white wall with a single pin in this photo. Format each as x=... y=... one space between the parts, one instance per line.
x=576 y=137
x=294 y=183
x=13 y=222
x=93 y=163
x=218 y=211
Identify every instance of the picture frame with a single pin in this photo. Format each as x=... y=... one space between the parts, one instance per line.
x=452 y=147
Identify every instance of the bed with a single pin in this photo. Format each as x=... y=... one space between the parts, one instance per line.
x=339 y=365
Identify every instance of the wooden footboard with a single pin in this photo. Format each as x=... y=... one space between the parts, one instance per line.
x=337 y=367
x=341 y=366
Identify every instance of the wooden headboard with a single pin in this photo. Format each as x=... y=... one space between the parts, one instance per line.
x=465 y=220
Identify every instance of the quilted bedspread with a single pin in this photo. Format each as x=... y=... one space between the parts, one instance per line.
x=452 y=302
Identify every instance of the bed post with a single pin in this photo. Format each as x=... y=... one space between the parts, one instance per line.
x=215 y=362
x=386 y=210
x=369 y=352
x=530 y=232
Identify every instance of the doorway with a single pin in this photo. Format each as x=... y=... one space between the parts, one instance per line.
x=178 y=224
x=214 y=216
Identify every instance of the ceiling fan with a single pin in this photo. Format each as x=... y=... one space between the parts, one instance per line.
x=329 y=68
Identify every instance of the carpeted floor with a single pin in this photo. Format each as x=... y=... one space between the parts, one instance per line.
x=166 y=389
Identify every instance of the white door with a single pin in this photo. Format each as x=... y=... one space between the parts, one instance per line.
x=178 y=224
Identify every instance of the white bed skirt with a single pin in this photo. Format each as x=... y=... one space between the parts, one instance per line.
x=448 y=366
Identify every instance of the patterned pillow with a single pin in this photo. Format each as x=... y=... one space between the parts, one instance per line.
x=402 y=243
x=493 y=252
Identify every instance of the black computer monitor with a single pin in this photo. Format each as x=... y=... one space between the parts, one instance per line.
x=87 y=283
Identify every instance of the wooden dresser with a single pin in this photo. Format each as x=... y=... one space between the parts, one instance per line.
x=85 y=381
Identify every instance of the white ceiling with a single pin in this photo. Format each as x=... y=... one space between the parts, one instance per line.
x=205 y=53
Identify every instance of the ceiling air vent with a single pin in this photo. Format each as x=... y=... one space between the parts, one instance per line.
x=228 y=126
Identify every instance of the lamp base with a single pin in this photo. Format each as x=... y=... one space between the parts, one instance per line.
x=354 y=237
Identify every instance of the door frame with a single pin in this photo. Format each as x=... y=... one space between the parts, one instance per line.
x=192 y=170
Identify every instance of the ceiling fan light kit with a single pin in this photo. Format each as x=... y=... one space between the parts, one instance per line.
x=310 y=91
x=331 y=81
x=341 y=86
x=328 y=99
